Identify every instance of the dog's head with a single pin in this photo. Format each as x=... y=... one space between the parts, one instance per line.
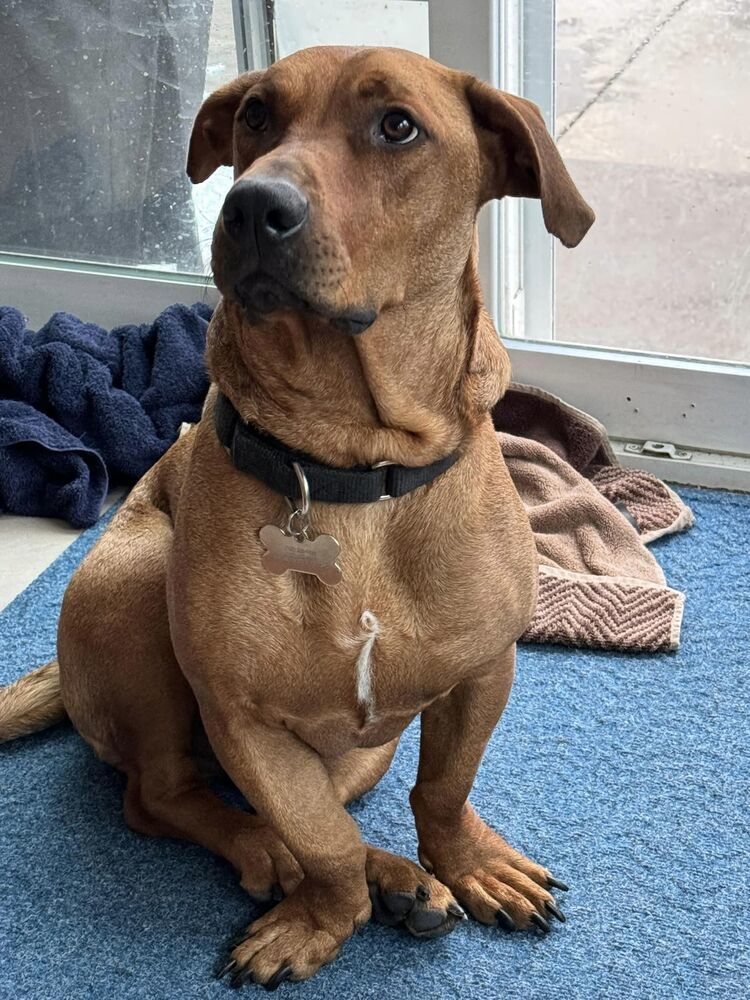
x=358 y=177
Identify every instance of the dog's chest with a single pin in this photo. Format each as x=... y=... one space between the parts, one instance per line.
x=344 y=688
x=340 y=674
x=426 y=600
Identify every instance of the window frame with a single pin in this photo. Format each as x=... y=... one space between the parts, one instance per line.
x=99 y=293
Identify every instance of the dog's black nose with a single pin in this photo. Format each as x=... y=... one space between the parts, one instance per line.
x=264 y=208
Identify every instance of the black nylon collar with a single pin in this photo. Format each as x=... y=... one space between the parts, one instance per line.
x=257 y=453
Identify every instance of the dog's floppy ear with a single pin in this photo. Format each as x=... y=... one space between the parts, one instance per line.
x=521 y=159
x=211 y=138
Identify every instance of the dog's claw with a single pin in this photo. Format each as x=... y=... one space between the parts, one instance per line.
x=277 y=893
x=278 y=978
x=505 y=921
x=541 y=923
x=556 y=912
x=555 y=883
x=239 y=979
x=220 y=973
x=422 y=893
x=457 y=911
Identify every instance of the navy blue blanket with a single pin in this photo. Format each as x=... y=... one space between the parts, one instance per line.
x=81 y=407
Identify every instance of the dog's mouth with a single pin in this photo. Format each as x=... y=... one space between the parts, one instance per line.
x=260 y=294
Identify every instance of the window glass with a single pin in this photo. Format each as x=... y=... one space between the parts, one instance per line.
x=96 y=106
x=652 y=118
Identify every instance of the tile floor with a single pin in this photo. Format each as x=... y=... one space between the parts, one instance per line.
x=29 y=544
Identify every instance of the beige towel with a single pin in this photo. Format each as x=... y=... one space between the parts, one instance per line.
x=599 y=586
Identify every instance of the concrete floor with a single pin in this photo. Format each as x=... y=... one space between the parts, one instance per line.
x=28 y=545
x=654 y=123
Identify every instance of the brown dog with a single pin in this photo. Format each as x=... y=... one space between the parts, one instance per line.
x=351 y=329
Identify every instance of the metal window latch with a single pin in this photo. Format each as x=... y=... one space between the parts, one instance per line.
x=662 y=449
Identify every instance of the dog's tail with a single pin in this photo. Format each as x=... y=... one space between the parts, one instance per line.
x=31 y=703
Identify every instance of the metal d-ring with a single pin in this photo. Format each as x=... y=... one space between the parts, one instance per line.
x=297 y=526
x=304 y=489
x=296 y=523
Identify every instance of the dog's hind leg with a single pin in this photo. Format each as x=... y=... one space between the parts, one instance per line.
x=357 y=771
x=126 y=695
x=402 y=893
x=169 y=798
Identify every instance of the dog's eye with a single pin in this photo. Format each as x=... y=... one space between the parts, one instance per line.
x=398 y=127
x=256 y=114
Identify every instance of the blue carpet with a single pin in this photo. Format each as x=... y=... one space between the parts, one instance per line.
x=627 y=775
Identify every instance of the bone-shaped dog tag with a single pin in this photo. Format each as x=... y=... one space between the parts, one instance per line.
x=316 y=556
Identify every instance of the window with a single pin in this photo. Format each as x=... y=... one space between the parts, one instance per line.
x=96 y=123
x=644 y=324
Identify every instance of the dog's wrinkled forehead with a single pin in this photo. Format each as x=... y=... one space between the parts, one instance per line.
x=320 y=85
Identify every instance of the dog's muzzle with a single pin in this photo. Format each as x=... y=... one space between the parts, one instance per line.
x=261 y=217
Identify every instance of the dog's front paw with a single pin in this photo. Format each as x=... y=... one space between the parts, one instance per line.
x=404 y=894
x=295 y=938
x=496 y=884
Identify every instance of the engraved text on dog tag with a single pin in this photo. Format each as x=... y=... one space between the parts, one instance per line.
x=300 y=554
